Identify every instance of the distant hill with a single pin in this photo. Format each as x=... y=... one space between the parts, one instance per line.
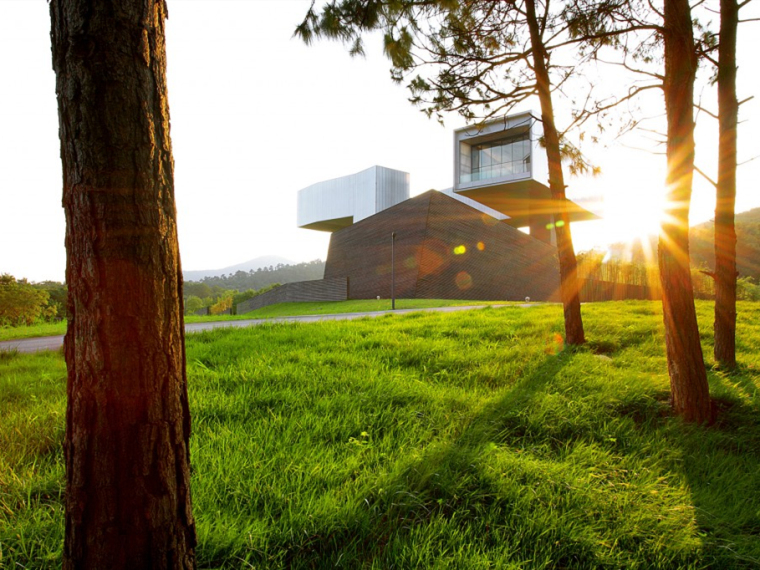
x=247 y=266
x=747 y=244
x=262 y=277
x=701 y=245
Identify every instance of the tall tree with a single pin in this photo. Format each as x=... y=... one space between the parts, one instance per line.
x=568 y=267
x=689 y=390
x=486 y=58
x=127 y=419
x=647 y=37
x=725 y=204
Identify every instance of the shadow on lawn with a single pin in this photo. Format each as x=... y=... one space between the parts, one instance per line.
x=434 y=486
x=720 y=465
x=746 y=378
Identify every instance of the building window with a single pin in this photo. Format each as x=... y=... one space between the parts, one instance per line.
x=495 y=159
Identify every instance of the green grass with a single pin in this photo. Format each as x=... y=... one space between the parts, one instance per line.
x=279 y=310
x=338 y=307
x=44 y=329
x=467 y=440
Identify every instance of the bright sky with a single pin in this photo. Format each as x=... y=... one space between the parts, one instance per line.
x=257 y=115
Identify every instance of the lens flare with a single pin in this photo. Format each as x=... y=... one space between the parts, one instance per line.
x=463 y=280
x=488 y=220
x=555 y=344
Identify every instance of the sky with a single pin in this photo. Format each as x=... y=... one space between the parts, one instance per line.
x=257 y=115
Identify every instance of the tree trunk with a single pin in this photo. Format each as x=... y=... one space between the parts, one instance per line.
x=690 y=396
x=568 y=269
x=725 y=233
x=127 y=420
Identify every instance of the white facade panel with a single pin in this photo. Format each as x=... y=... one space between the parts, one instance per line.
x=364 y=189
x=392 y=188
x=539 y=160
x=325 y=200
x=336 y=203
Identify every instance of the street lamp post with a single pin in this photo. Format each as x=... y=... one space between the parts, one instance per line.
x=393 y=271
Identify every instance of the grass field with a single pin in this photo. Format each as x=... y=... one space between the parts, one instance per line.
x=338 y=307
x=44 y=329
x=467 y=440
x=279 y=310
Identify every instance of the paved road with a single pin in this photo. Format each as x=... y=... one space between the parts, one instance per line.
x=55 y=342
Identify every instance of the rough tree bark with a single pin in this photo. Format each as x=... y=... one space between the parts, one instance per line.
x=568 y=269
x=127 y=420
x=690 y=396
x=725 y=233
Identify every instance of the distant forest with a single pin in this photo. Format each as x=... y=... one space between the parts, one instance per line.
x=702 y=248
x=263 y=277
x=747 y=244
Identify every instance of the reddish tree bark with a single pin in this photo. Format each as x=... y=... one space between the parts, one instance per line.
x=568 y=269
x=725 y=233
x=127 y=420
x=690 y=396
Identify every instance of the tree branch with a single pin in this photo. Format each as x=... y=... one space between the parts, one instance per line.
x=710 y=113
x=705 y=176
x=633 y=69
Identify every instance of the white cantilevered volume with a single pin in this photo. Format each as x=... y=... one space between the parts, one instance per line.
x=334 y=204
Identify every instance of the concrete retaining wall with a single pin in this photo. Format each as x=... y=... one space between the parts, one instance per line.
x=335 y=289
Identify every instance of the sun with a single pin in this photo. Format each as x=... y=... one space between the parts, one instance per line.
x=629 y=196
x=625 y=217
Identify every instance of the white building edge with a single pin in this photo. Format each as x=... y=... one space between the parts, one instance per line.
x=500 y=168
x=334 y=204
x=337 y=203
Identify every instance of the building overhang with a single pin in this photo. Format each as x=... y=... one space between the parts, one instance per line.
x=330 y=225
x=523 y=200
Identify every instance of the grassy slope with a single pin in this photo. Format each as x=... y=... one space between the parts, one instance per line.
x=337 y=307
x=466 y=440
x=45 y=329
x=279 y=310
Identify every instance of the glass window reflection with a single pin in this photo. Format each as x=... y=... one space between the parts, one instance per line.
x=495 y=159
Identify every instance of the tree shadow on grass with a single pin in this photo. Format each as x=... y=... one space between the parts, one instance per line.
x=721 y=465
x=441 y=484
x=445 y=508
x=744 y=377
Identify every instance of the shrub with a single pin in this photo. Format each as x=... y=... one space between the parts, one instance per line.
x=22 y=304
x=747 y=290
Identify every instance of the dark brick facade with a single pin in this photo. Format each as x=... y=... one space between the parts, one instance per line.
x=444 y=249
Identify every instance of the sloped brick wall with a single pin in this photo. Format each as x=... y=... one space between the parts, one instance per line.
x=362 y=252
x=469 y=255
x=443 y=249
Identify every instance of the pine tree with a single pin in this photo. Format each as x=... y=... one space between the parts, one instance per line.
x=127 y=421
